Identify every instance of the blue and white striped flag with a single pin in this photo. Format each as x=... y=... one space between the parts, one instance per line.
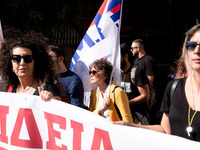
x=101 y=41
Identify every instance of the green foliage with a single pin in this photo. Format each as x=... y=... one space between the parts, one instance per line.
x=45 y=15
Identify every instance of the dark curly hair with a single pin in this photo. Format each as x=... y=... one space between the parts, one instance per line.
x=104 y=67
x=43 y=66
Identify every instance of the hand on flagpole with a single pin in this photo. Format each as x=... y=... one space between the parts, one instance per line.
x=104 y=106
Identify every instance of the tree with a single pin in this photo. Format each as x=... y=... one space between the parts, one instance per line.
x=45 y=15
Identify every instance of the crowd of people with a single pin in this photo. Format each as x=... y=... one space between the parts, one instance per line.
x=181 y=108
x=30 y=65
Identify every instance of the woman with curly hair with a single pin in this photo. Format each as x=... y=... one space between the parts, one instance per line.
x=26 y=68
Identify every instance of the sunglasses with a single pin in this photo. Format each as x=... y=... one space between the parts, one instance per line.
x=17 y=58
x=132 y=48
x=191 y=45
x=93 y=72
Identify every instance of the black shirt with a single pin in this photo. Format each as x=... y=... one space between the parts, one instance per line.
x=132 y=90
x=146 y=63
x=177 y=109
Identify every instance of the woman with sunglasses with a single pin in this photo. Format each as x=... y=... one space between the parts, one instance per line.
x=26 y=68
x=109 y=101
x=181 y=108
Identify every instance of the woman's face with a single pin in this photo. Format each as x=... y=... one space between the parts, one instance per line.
x=96 y=77
x=194 y=56
x=22 y=62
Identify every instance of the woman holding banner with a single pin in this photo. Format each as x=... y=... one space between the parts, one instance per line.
x=109 y=101
x=26 y=68
x=181 y=103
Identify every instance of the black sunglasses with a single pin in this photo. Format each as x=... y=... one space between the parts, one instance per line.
x=17 y=58
x=132 y=48
x=93 y=72
x=191 y=45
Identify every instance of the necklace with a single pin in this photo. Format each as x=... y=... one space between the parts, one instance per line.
x=26 y=89
x=189 y=129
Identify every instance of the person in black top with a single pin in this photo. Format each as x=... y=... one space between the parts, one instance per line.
x=181 y=111
x=137 y=91
x=143 y=60
x=146 y=63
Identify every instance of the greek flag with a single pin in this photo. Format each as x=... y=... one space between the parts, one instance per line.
x=101 y=41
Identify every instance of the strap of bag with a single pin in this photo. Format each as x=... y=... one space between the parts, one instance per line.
x=133 y=70
x=175 y=83
x=117 y=109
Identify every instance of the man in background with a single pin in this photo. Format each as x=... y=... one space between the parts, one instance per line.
x=143 y=60
x=137 y=90
x=146 y=63
x=74 y=92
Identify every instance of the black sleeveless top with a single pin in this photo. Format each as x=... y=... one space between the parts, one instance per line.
x=177 y=109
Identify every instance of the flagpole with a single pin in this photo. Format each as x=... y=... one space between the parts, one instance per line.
x=114 y=49
x=1 y=31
